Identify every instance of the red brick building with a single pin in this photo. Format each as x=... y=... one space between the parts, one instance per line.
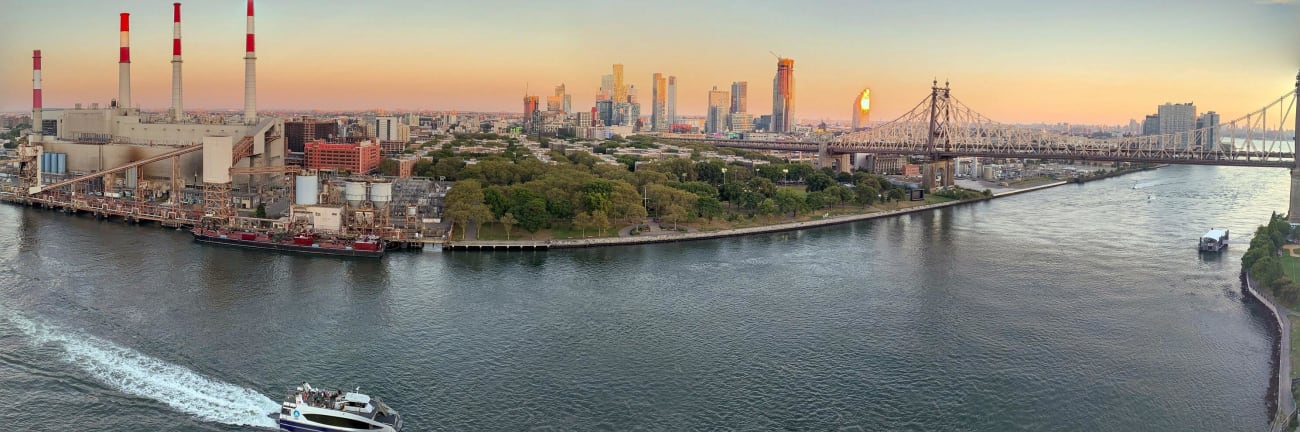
x=357 y=158
x=405 y=166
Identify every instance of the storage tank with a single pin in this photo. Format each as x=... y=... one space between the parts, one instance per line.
x=381 y=193
x=46 y=164
x=306 y=190
x=990 y=174
x=132 y=177
x=61 y=165
x=354 y=192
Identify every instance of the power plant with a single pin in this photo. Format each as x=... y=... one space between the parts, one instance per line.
x=180 y=169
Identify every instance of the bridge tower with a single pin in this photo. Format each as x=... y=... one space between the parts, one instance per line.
x=1293 y=210
x=938 y=173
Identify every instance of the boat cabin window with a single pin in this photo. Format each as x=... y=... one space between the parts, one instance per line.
x=342 y=422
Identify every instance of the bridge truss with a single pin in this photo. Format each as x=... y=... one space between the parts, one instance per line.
x=940 y=126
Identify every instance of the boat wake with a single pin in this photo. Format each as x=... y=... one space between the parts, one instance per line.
x=134 y=373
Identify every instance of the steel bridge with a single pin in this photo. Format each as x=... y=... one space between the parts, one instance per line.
x=940 y=126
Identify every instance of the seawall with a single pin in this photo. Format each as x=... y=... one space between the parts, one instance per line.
x=1280 y=388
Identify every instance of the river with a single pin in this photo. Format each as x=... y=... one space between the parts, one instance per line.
x=1081 y=307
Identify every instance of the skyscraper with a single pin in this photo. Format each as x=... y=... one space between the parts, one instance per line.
x=718 y=104
x=1176 y=118
x=672 y=101
x=862 y=109
x=562 y=99
x=783 y=96
x=620 y=90
x=531 y=110
x=739 y=97
x=658 y=105
x=606 y=87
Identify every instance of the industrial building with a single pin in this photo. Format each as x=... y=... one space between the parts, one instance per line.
x=95 y=138
x=113 y=161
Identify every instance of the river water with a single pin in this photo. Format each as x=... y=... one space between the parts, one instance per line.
x=1081 y=307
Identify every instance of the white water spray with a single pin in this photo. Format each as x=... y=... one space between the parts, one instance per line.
x=134 y=373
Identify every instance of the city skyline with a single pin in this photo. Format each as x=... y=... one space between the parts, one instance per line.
x=1056 y=64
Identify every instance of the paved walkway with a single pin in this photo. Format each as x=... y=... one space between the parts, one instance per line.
x=653 y=228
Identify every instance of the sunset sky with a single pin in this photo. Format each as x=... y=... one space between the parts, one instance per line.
x=1098 y=61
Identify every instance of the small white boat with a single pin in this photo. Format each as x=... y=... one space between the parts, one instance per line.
x=309 y=409
x=1214 y=240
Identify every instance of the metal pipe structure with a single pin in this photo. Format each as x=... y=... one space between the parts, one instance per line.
x=177 y=109
x=250 y=72
x=36 y=96
x=124 y=64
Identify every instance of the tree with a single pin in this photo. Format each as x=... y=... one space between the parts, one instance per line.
x=866 y=193
x=674 y=213
x=583 y=221
x=260 y=213
x=790 y=201
x=767 y=207
x=600 y=221
x=818 y=182
x=533 y=215
x=763 y=186
x=896 y=194
x=508 y=221
x=388 y=167
x=464 y=204
x=708 y=208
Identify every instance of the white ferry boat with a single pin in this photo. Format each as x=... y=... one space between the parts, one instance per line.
x=1214 y=240
x=309 y=409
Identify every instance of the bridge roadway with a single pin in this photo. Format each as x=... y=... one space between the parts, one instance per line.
x=1046 y=151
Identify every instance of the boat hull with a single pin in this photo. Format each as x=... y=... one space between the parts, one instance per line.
x=203 y=238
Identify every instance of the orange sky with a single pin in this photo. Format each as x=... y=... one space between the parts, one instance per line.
x=1103 y=61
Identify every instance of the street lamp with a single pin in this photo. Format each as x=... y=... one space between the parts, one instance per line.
x=785 y=174
x=724 y=176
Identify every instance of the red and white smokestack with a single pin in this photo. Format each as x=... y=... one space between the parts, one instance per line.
x=177 y=110
x=124 y=64
x=36 y=96
x=250 y=72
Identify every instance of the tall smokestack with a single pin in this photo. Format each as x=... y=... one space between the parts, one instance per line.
x=36 y=96
x=177 y=109
x=250 y=73
x=124 y=64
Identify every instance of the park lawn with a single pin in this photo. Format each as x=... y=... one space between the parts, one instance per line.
x=1290 y=266
x=1295 y=346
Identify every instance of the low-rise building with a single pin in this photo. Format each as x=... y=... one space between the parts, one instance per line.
x=360 y=157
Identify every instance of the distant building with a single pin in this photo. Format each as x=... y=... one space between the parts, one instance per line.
x=739 y=97
x=718 y=104
x=360 y=158
x=783 y=97
x=406 y=166
x=658 y=106
x=1210 y=138
x=605 y=112
x=862 y=109
x=606 y=87
x=1151 y=125
x=1176 y=118
x=620 y=90
x=299 y=132
x=386 y=128
x=672 y=100
x=740 y=122
x=763 y=122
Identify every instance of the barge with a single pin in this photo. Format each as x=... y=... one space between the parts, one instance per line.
x=366 y=246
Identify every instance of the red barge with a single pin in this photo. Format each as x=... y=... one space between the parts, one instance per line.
x=368 y=246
